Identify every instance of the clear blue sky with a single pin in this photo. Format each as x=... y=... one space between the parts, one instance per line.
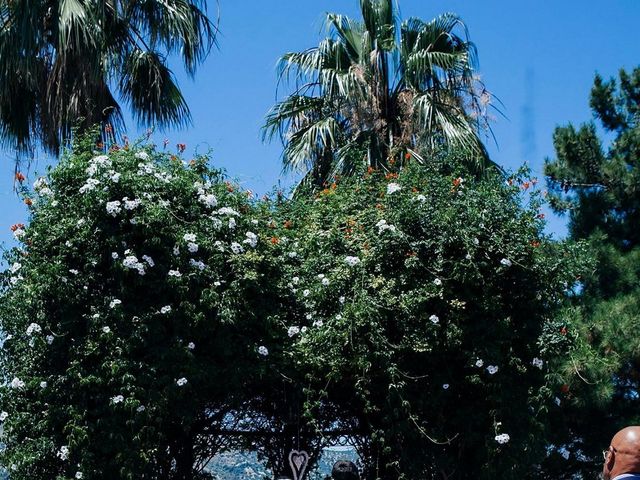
x=538 y=57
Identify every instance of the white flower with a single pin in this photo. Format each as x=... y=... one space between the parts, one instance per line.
x=49 y=339
x=15 y=267
x=252 y=239
x=209 y=200
x=492 y=369
x=165 y=309
x=318 y=323
x=537 y=362
x=141 y=408
x=197 y=264
x=115 y=302
x=506 y=262
x=227 y=211
x=556 y=401
x=131 y=204
x=232 y=223
x=142 y=155
x=293 y=331
x=393 y=188
x=176 y=250
x=434 y=319
x=106 y=329
x=564 y=453
x=437 y=282
x=14 y=280
x=445 y=386
x=295 y=280
x=115 y=255
x=33 y=328
x=502 y=438
x=113 y=208
x=254 y=221
x=421 y=198
x=73 y=271
x=149 y=260
x=114 y=176
x=292 y=254
x=189 y=237
x=306 y=292
x=18 y=233
x=63 y=453
x=325 y=281
x=101 y=160
x=174 y=273
x=351 y=261
x=131 y=261
x=91 y=184
x=217 y=223
x=117 y=399
x=479 y=363
x=16 y=383
x=181 y=382
x=341 y=299
x=192 y=247
x=43 y=384
x=41 y=182
x=3 y=416
x=262 y=350
x=191 y=346
x=383 y=225
x=236 y=248
x=78 y=475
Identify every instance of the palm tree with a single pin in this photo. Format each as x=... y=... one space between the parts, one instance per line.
x=379 y=90
x=63 y=63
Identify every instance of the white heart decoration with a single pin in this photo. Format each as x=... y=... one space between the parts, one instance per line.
x=298 y=461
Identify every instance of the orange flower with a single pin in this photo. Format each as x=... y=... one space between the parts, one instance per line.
x=20 y=177
x=526 y=185
x=390 y=176
x=334 y=185
x=565 y=388
x=457 y=182
x=535 y=243
x=275 y=240
x=100 y=145
x=563 y=331
x=540 y=215
x=407 y=156
x=414 y=189
x=181 y=147
x=370 y=170
x=229 y=186
x=288 y=224
x=17 y=226
x=28 y=201
x=392 y=161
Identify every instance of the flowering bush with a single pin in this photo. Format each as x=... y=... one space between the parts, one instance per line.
x=426 y=298
x=134 y=311
x=151 y=303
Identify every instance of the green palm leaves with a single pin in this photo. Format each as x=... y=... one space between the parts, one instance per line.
x=377 y=90
x=67 y=63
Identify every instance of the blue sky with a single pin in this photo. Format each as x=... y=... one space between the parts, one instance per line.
x=538 y=58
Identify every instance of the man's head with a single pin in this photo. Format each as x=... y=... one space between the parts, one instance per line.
x=623 y=454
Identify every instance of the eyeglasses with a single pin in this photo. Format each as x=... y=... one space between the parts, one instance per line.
x=606 y=451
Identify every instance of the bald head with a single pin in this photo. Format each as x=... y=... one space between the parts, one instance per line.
x=624 y=453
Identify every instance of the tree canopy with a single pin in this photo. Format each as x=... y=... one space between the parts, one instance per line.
x=69 y=63
x=378 y=90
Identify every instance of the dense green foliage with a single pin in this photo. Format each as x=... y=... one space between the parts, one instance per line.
x=132 y=313
x=599 y=187
x=429 y=298
x=391 y=89
x=63 y=63
x=153 y=310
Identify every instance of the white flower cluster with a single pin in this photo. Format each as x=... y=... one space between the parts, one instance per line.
x=16 y=383
x=117 y=399
x=115 y=302
x=293 y=331
x=63 y=452
x=506 y=262
x=383 y=225
x=33 y=328
x=351 y=261
x=114 y=208
x=262 y=350
x=90 y=184
x=3 y=416
x=434 y=319
x=132 y=262
x=199 y=264
x=393 y=188
x=502 y=438
x=251 y=240
x=492 y=369
x=181 y=382
x=537 y=362
x=41 y=186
